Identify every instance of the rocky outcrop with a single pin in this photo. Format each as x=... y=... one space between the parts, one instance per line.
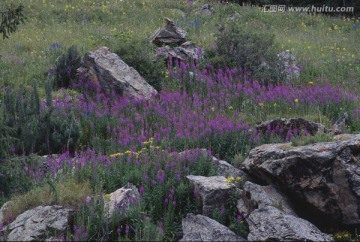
x=324 y=177
x=121 y=200
x=40 y=223
x=223 y=168
x=187 y=52
x=114 y=75
x=282 y=126
x=168 y=35
x=255 y=196
x=270 y=216
x=202 y=228
x=288 y=67
x=271 y=224
x=212 y=192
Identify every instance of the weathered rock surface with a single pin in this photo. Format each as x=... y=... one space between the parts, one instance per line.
x=269 y=223
x=288 y=66
x=322 y=176
x=187 y=52
x=202 y=228
x=114 y=75
x=121 y=200
x=282 y=126
x=169 y=35
x=40 y=223
x=223 y=168
x=255 y=196
x=340 y=124
x=213 y=192
x=270 y=216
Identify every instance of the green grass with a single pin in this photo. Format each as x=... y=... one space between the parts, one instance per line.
x=326 y=48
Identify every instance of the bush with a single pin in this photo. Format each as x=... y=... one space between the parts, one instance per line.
x=237 y=46
x=37 y=129
x=66 y=66
x=139 y=55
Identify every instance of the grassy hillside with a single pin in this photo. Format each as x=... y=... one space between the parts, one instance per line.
x=104 y=142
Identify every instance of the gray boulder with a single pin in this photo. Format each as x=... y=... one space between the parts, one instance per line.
x=340 y=124
x=255 y=196
x=270 y=224
x=106 y=68
x=121 y=200
x=202 y=228
x=187 y=52
x=40 y=223
x=223 y=168
x=270 y=216
x=212 y=192
x=322 y=176
x=288 y=67
x=168 y=35
x=282 y=126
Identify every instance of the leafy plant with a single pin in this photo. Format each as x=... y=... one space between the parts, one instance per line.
x=66 y=66
x=236 y=45
x=10 y=19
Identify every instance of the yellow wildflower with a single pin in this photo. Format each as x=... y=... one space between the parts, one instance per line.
x=296 y=100
x=311 y=83
x=261 y=104
x=107 y=196
x=230 y=108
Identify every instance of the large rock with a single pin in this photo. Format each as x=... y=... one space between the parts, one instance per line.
x=213 y=192
x=187 y=52
x=114 y=75
x=169 y=35
x=270 y=215
x=323 y=177
x=40 y=223
x=255 y=196
x=121 y=200
x=202 y=228
x=282 y=126
x=289 y=69
x=271 y=224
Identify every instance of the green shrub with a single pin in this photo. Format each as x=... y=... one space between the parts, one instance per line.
x=140 y=55
x=36 y=129
x=237 y=45
x=66 y=66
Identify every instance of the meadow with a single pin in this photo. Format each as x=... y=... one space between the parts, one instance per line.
x=108 y=141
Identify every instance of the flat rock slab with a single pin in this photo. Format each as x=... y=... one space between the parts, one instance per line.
x=114 y=75
x=271 y=224
x=202 y=228
x=213 y=192
x=324 y=176
x=40 y=223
